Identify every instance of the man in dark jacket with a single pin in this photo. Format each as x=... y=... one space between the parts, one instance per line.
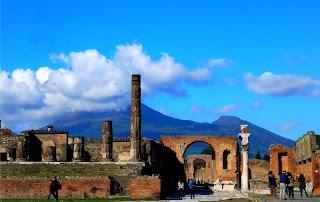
x=54 y=187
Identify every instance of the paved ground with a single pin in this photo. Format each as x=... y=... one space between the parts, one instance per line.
x=235 y=196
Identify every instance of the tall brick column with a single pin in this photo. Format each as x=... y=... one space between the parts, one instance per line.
x=135 y=131
x=244 y=137
x=107 y=141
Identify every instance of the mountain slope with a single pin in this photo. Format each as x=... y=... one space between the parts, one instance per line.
x=155 y=124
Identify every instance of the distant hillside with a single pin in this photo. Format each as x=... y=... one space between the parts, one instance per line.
x=155 y=124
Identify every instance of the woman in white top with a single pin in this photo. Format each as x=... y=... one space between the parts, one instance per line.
x=180 y=189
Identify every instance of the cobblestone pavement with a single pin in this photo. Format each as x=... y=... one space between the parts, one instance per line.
x=235 y=196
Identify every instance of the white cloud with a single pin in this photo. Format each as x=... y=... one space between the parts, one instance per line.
x=226 y=109
x=289 y=126
x=282 y=85
x=256 y=105
x=90 y=82
x=219 y=62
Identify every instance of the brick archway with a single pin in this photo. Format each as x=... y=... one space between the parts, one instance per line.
x=179 y=144
x=207 y=172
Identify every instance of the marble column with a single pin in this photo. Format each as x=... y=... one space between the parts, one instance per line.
x=244 y=137
x=135 y=130
x=107 y=141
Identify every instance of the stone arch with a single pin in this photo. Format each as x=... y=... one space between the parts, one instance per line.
x=179 y=144
x=207 y=175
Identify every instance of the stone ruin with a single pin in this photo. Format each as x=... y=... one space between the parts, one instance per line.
x=162 y=157
x=303 y=158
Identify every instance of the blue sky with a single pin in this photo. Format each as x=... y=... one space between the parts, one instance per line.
x=199 y=60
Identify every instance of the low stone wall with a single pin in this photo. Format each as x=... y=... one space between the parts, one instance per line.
x=39 y=188
x=145 y=188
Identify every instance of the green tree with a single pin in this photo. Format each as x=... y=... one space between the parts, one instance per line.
x=266 y=157
x=209 y=150
x=258 y=156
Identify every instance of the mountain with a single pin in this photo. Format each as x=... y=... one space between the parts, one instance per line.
x=155 y=124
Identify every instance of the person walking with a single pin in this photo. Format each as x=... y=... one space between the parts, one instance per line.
x=290 y=185
x=180 y=189
x=302 y=185
x=283 y=179
x=192 y=188
x=272 y=184
x=54 y=187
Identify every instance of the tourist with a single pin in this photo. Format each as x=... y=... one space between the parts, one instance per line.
x=302 y=184
x=283 y=180
x=290 y=184
x=192 y=188
x=54 y=187
x=180 y=189
x=272 y=184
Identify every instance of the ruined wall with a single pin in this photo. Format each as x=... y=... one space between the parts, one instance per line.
x=39 y=188
x=145 y=188
x=316 y=172
x=282 y=158
x=7 y=142
x=59 y=141
x=306 y=146
x=179 y=144
x=120 y=149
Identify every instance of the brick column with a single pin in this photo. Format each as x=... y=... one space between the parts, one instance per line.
x=135 y=131
x=107 y=141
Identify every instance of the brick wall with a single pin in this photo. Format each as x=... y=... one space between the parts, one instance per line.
x=39 y=188
x=145 y=188
x=316 y=172
x=288 y=161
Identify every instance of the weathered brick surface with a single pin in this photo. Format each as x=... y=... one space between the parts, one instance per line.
x=287 y=161
x=316 y=172
x=39 y=188
x=208 y=172
x=145 y=188
x=179 y=144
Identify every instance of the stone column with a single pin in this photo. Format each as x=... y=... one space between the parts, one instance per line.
x=12 y=154
x=135 y=131
x=51 y=154
x=21 y=148
x=78 y=148
x=244 y=137
x=107 y=141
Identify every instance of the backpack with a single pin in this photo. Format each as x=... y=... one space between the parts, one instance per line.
x=292 y=180
x=58 y=185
